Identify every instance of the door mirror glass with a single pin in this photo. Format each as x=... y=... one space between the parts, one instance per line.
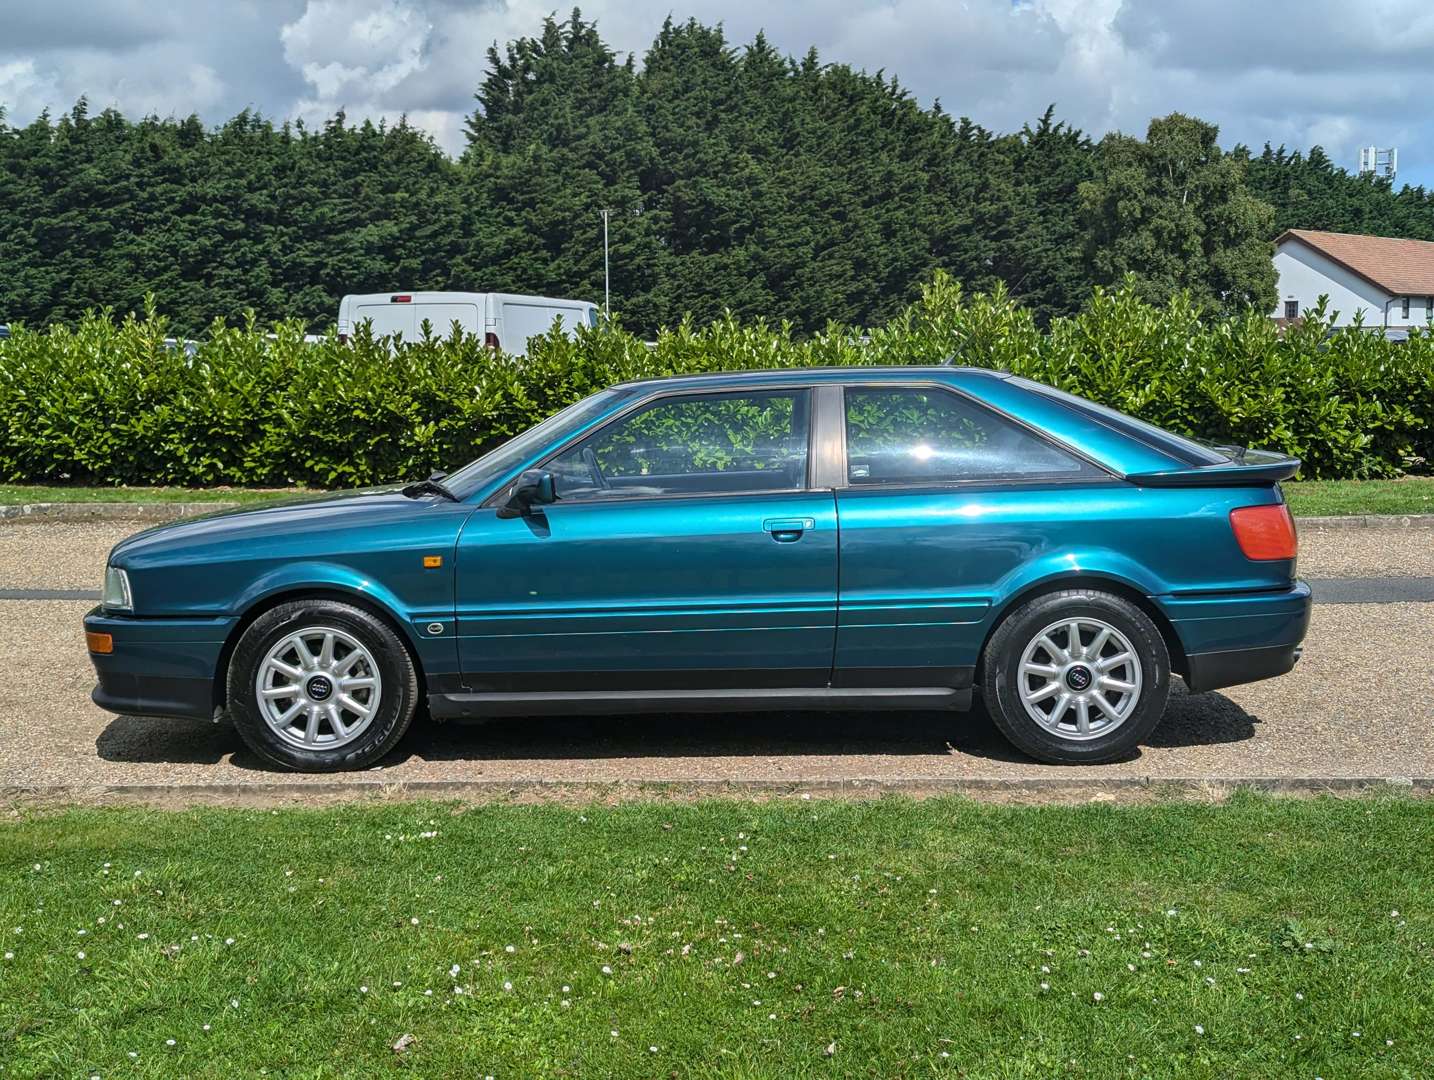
x=534 y=487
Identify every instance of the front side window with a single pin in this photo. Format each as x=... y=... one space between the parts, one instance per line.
x=492 y=465
x=692 y=445
x=916 y=435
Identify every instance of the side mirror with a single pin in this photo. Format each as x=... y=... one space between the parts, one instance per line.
x=533 y=487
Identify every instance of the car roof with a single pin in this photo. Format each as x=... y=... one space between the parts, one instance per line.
x=806 y=376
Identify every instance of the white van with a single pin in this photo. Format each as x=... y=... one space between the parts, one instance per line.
x=505 y=320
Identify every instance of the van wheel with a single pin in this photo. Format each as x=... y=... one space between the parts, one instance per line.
x=321 y=686
x=1078 y=676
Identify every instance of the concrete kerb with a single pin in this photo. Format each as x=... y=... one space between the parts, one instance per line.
x=103 y=511
x=169 y=511
x=982 y=789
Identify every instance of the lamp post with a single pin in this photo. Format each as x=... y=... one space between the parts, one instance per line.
x=606 y=281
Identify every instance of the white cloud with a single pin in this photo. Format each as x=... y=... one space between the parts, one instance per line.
x=357 y=48
x=24 y=90
x=158 y=79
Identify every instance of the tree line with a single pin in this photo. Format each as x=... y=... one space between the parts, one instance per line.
x=739 y=178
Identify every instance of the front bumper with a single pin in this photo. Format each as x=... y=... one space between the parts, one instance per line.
x=159 y=666
x=1232 y=638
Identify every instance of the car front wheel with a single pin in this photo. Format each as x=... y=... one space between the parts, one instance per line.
x=321 y=686
x=1078 y=676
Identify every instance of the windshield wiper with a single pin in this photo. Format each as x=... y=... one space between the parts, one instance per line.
x=429 y=487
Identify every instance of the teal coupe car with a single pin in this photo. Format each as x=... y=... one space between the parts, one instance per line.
x=862 y=538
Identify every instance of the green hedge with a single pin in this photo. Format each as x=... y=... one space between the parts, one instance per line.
x=108 y=402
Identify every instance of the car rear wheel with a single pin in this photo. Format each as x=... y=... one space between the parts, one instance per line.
x=321 y=686
x=1078 y=676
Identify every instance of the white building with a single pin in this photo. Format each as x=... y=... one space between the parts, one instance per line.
x=1388 y=280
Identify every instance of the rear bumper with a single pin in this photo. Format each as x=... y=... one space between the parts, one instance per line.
x=1234 y=638
x=159 y=667
x=1211 y=671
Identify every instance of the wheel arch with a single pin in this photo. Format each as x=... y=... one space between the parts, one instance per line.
x=1109 y=583
x=328 y=591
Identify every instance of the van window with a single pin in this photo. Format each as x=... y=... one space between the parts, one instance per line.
x=386 y=319
x=442 y=317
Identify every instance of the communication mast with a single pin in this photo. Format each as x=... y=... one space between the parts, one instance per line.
x=1379 y=162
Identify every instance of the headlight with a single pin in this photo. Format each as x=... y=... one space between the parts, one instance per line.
x=117 y=595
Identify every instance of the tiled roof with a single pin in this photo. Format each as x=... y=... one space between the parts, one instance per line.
x=1399 y=267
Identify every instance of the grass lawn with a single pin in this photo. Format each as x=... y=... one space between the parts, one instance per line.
x=786 y=939
x=11 y=494
x=1320 y=498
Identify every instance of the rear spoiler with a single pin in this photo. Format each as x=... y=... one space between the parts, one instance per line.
x=1254 y=468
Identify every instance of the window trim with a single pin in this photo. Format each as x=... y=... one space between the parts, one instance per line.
x=1101 y=474
x=1296 y=303
x=499 y=497
x=1404 y=307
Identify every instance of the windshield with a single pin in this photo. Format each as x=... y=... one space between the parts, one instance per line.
x=512 y=453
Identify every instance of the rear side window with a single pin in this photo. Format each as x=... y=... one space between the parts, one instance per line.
x=692 y=445
x=1179 y=447
x=920 y=435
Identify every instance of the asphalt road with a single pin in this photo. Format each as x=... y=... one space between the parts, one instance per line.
x=1360 y=704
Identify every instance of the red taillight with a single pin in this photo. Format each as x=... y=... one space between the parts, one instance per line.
x=1264 y=532
x=490 y=339
x=402 y=299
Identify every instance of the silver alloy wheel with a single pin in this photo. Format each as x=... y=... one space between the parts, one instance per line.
x=318 y=688
x=1080 y=678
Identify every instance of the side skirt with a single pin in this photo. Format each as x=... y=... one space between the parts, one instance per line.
x=607 y=702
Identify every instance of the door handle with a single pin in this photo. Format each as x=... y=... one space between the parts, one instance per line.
x=787 y=530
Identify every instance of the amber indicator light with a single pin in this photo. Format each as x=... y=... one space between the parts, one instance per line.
x=99 y=643
x=432 y=562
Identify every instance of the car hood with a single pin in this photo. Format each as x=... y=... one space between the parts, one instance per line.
x=283 y=516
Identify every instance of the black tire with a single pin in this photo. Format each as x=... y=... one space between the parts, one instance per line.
x=1001 y=662
x=398 y=685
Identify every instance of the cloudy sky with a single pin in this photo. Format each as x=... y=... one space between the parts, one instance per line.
x=1340 y=73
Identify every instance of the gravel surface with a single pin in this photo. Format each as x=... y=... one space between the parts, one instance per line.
x=1347 y=710
x=63 y=555
x=1330 y=553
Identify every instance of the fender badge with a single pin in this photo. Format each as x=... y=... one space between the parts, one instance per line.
x=435 y=628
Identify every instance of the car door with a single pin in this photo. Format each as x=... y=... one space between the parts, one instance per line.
x=943 y=498
x=685 y=550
